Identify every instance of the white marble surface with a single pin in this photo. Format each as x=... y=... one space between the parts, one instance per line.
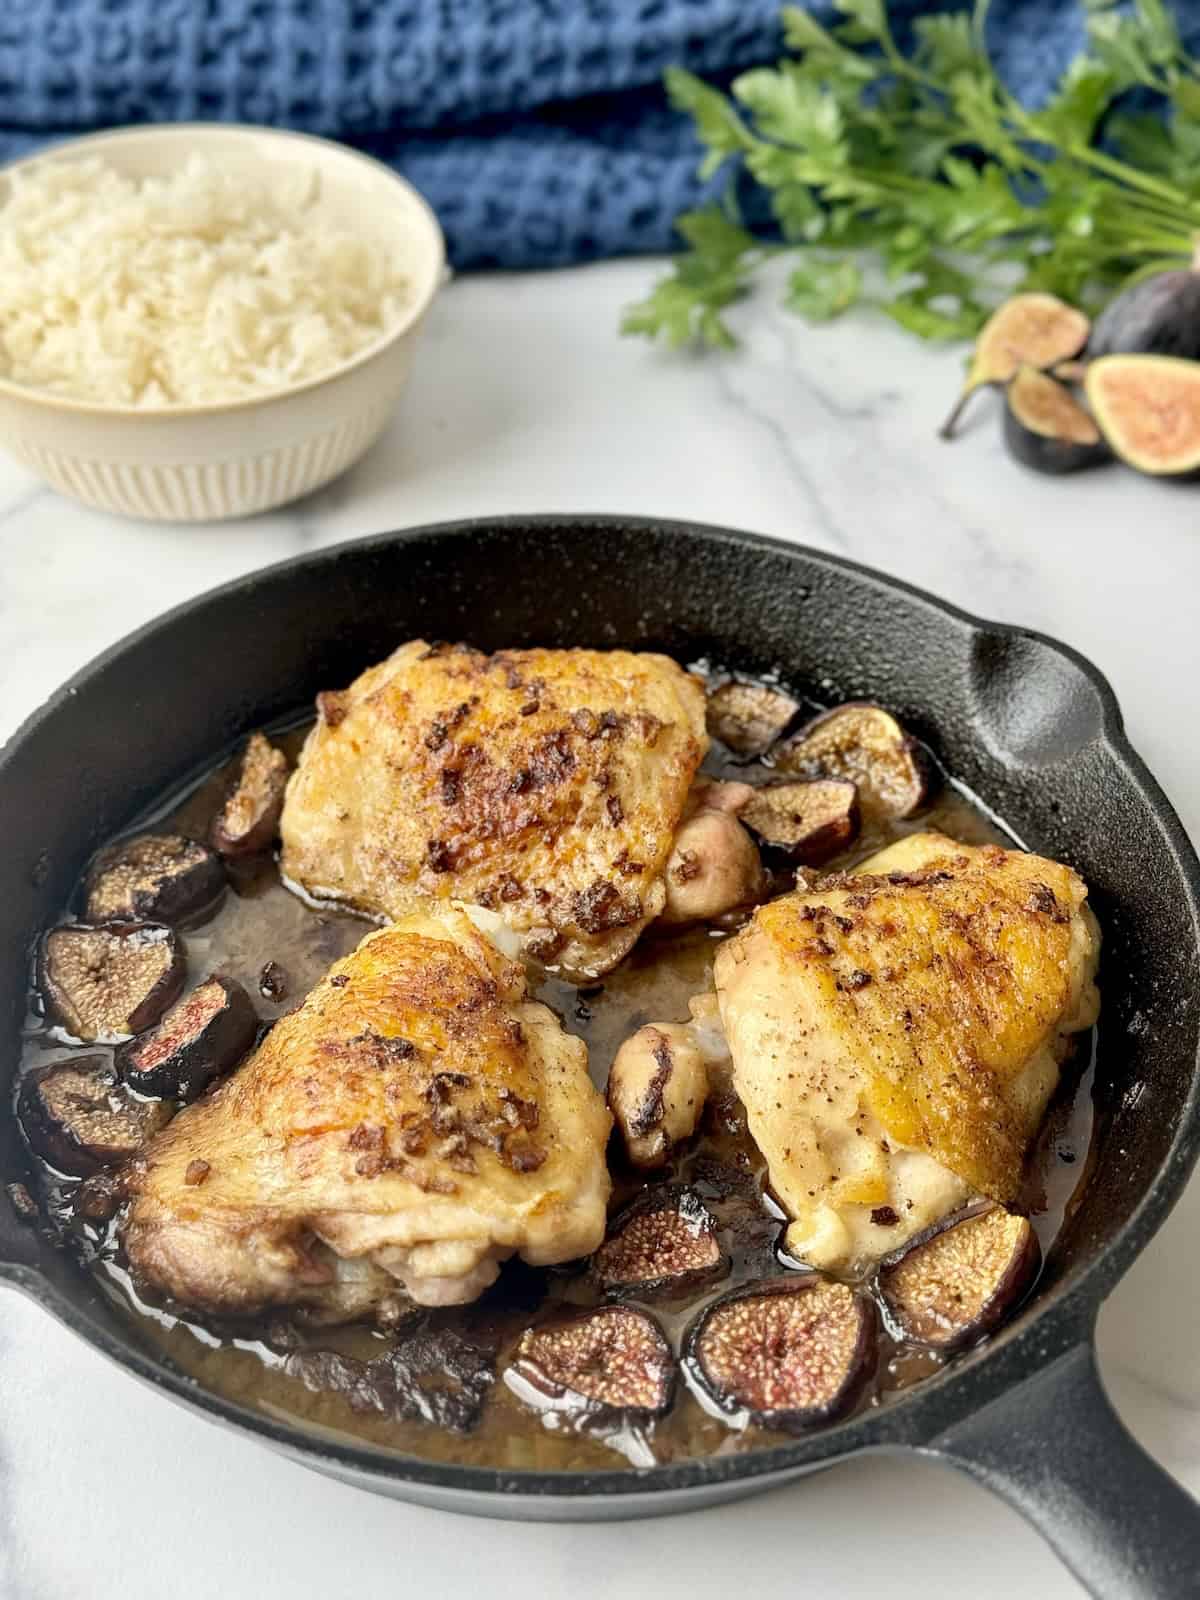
x=525 y=400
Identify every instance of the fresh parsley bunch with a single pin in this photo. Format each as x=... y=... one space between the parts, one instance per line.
x=929 y=163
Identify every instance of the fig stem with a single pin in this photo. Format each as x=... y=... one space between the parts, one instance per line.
x=946 y=431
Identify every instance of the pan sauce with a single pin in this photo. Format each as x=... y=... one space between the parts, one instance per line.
x=259 y=921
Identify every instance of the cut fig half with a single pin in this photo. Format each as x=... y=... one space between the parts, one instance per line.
x=960 y=1279
x=805 y=821
x=159 y=877
x=749 y=717
x=1148 y=408
x=107 y=982
x=663 y=1244
x=1036 y=329
x=609 y=1366
x=1047 y=429
x=200 y=1037
x=787 y=1353
x=864 y=744
x=247 y=822
x=77 y=1115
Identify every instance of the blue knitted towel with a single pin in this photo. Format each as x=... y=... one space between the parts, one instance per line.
x=537 y=128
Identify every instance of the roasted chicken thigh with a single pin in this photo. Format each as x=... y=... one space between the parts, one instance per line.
x=414 y=1123
x=897 y=1033
x=546 y=785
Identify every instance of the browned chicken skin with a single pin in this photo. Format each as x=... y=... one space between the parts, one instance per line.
x=896 y=1034
x=546 y=785
x=415 y=1122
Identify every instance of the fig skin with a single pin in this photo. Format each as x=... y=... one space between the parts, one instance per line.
x=1046 y=429
x=862 y=742
x=85 y=948
x=805 y=820
x=608 y=1366
x=853 y=1355
x=1148 y=409
x=1158 y=316
x=671 y=1234
x=154 y=878
x=203 y=1035
x=77 y=1116
x=918 y=1282
x=1035 y=328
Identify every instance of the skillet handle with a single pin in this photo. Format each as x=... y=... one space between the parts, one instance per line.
x=1055 y=1449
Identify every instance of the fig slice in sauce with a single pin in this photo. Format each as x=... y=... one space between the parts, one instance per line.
x=787 y=1353
x=806 y=820
x=864 y=743
x=663 y=1244
x=749 y=717
x=611 y=1365
x=249 y=817
x=201 y=1036
x=105 y=983
x=79 y=1118
x=960 y=1279
x=156 y=877
x=430 y=1375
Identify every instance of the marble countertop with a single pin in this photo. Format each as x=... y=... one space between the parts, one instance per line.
x=524 y=399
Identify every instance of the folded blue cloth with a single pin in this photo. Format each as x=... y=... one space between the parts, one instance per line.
x=537 y=128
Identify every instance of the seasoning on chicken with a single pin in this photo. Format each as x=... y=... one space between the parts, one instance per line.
x=545 y=785
x=897 y=1034
x=414 y=1123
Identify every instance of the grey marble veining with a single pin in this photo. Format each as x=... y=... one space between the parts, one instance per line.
x=524 y=399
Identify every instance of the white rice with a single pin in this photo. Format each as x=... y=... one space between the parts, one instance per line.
x=205 y=286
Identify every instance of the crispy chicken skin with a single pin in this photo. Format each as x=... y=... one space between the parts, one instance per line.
x=546 y=785
x=417 y=1120
x=896 y=1035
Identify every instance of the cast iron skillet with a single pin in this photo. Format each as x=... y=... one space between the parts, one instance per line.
x=1029 y=725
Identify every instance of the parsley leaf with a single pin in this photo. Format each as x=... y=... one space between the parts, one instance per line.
x=930 y=165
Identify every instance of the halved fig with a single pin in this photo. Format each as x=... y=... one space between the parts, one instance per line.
x=609 y=1365
x=657 y=1086
x=665 y=1243
x=960 y=1279
x=807 y=821
x=155 y=877
x=865 y=744
x=79 y=1117
x=248 y=819
x=1038 y=329
x=1046 y=428
x=788 y=1353
x=201 y=1036
x=749 y=717
x=104 y=983
x=1148 y=408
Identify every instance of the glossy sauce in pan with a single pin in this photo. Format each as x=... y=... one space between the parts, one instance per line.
x=259 y=921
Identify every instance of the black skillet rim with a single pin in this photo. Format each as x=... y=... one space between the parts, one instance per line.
x=978 y=1377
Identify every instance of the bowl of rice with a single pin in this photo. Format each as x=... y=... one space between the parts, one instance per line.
x=203 y=321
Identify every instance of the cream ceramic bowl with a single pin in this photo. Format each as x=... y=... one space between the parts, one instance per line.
x=198 y=463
